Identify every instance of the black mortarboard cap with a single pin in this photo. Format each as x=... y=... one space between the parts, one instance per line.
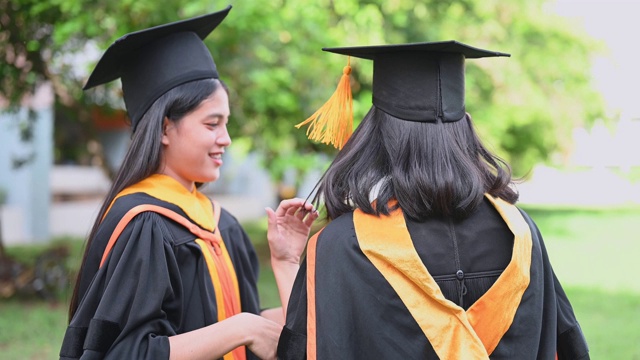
x=419 y=81
x=153 y=61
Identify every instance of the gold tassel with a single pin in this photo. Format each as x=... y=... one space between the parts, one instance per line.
x=333 y=122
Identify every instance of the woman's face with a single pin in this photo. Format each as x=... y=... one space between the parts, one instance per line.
x=193 y=147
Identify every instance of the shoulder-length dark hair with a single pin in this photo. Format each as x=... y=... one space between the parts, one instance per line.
x=143 y=157
x=431 y=169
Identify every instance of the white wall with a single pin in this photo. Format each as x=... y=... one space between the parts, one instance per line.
x=25 y=215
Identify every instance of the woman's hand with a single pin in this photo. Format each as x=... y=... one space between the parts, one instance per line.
x=258 y=334
x=263 y=334
x=287 y=233
x=288 y=229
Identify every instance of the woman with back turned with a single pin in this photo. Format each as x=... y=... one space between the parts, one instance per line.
x=425 y=255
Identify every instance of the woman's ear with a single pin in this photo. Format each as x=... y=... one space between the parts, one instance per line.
x=166 y=124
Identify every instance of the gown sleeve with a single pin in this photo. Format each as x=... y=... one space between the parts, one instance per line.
x=571 y=343
x=357 y=312
x=131 y=306
x=293 y=339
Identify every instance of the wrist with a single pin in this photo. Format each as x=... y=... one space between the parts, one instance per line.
x=285 y=263
x=241 y=329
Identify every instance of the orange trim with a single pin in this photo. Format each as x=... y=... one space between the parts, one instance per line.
x=492 y=315
x=119 y=228
x=223 y=277
x=387 y=244
x=453 y=332
x=215 y=279
x=311 y=297
x=226 y=263
x=193 y=228
x=227 y=301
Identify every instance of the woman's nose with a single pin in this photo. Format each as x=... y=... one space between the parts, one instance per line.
x=223 y=138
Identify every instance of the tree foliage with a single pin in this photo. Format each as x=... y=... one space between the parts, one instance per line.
x=269 y=54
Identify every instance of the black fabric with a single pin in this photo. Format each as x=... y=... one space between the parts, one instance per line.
x=419 y=81
x=359 y=315
x=437 y=96
x=465 y=257
x=571 y=341
x=572 y=345
x=101 y=335
x=292 y=345
x=152 y=61
x=155 y=282
x=72 y=349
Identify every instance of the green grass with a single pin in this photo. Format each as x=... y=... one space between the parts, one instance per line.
x=593 y=253
x=610 y=321
x=31 y=329
x=592 y=248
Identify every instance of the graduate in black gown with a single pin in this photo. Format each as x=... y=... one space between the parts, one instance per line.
x=167 y=273
x=425 y=255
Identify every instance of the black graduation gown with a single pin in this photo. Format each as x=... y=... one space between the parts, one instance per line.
x=359 y=315
x=154 y=284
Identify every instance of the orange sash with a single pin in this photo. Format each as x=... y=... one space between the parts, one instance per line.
x=221 y=271
x=453 y=332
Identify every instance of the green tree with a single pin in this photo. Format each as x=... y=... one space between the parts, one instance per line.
x=269 y=54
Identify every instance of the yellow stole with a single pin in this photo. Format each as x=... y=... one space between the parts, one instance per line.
x=205 y=214
x=453 y=332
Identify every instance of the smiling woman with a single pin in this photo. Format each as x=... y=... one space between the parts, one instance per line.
x=167 y=273
x=193 y=145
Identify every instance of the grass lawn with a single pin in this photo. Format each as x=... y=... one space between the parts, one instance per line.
x=592 y=248
x=592 y=252
x=609 y=320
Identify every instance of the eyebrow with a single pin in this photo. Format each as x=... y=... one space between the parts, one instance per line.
x=214 y=116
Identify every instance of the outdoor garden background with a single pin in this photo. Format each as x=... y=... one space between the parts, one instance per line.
x=563 y=110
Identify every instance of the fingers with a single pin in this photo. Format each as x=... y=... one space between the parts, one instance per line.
x=286 y=205
x=301 y=213
x=307 y=214
x=270 y=211
x=291 y=211
x=271 y=215
x=295 y=206
x=311 y=218
x=271 y=221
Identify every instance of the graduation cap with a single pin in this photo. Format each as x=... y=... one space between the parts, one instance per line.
x=153 y=61
x=415 y=82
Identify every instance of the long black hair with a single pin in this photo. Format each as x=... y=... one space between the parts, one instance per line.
x=143 y=158
x=431 y=169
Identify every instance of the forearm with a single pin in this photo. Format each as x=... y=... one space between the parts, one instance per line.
x=274 y=314
x=285 y=273
x=210 y=342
